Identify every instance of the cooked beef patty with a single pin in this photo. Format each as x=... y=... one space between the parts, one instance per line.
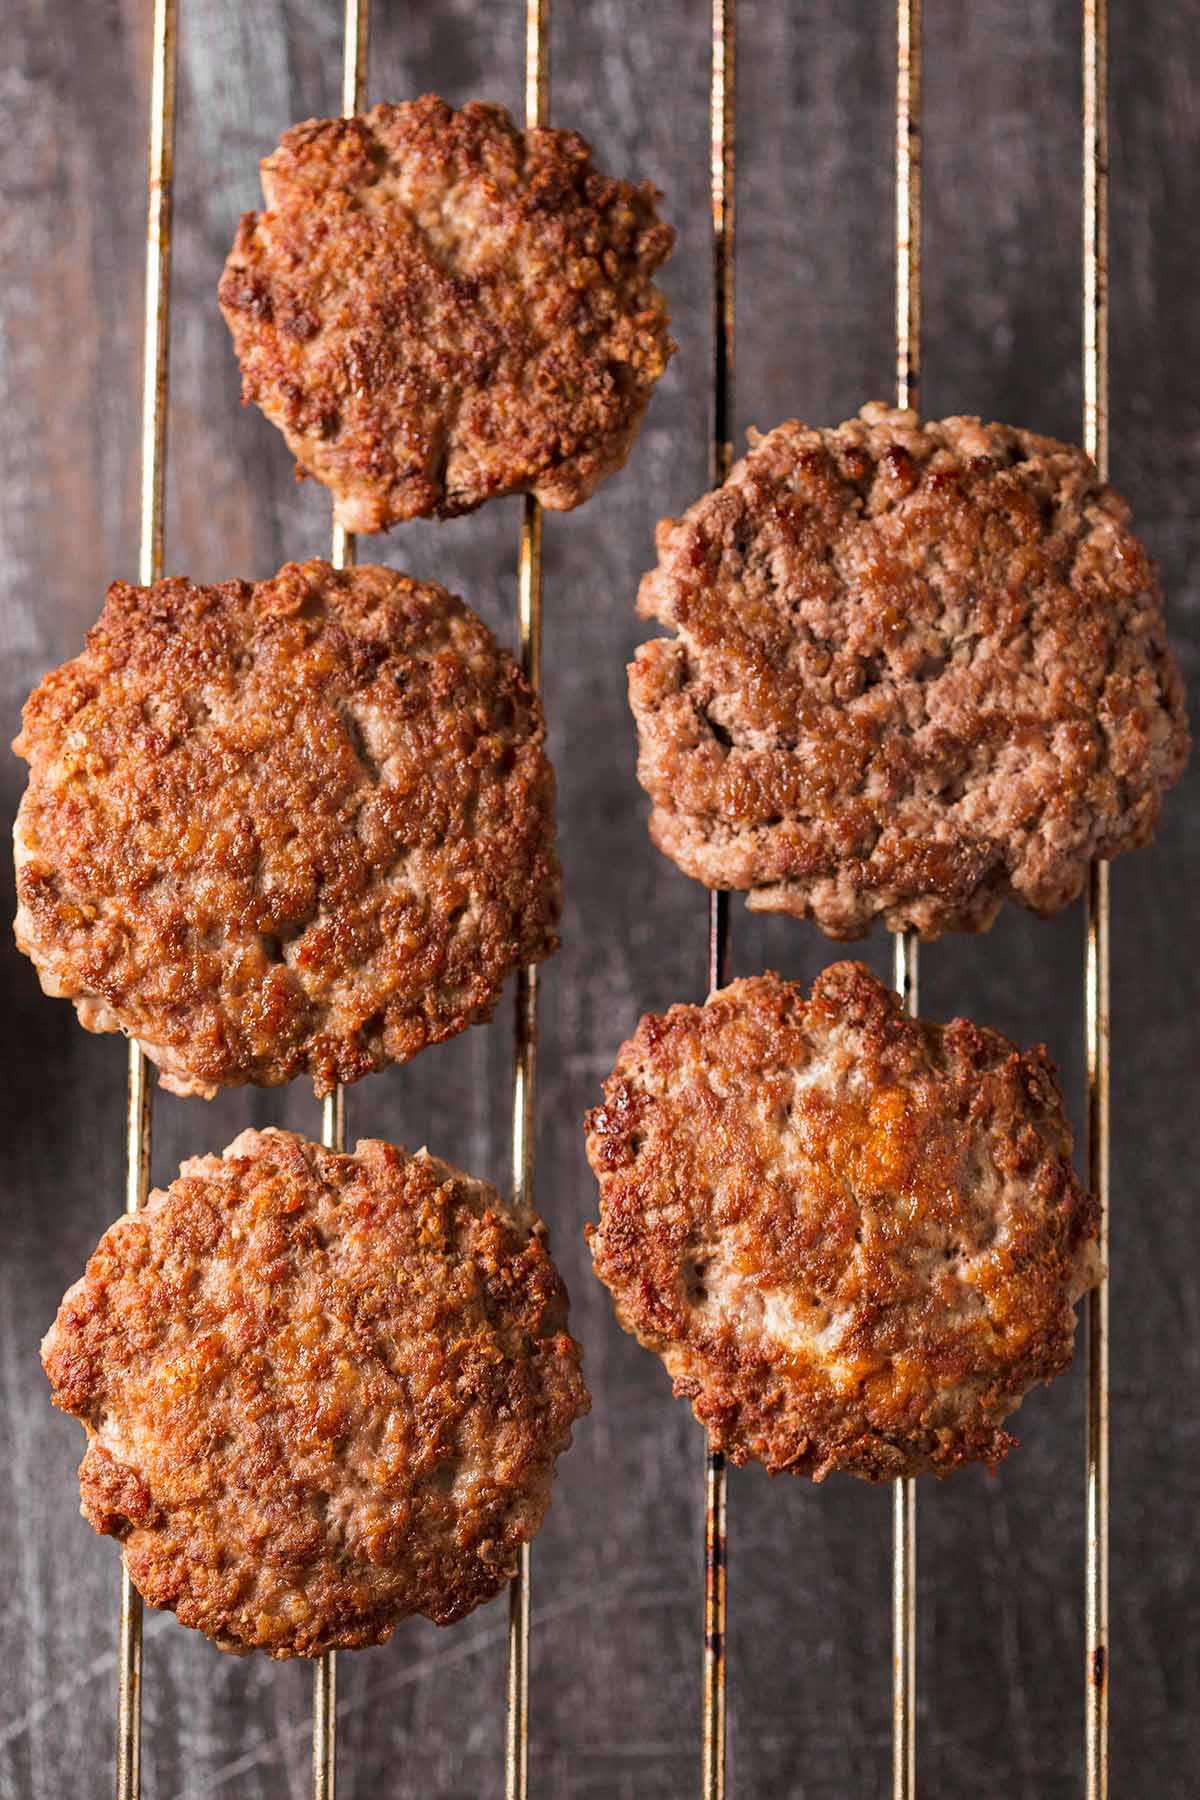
x=437 y=308
x=854 y=1239
x=916 y=669
x=321 y=1392
x=300 y=826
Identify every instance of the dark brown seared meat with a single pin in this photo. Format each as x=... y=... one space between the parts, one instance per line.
x=916 y=669
x=437 y=308
x=304 y=826
x=854 y=1239
x=321 y=1392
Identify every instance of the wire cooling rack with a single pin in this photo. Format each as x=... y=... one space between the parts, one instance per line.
x=908 y=44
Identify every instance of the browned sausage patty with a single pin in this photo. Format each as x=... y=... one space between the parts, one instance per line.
x=854 y=1239
x=437 y=308
x=321 y=1392
x=916 y=669
x=299 y=826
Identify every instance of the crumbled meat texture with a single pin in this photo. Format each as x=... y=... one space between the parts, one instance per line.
x=916 y=669
x=854 y=1239
x=304 y=826
x=321 y=1392
x=437 y=308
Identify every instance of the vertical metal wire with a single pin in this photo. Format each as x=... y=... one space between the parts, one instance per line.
x=342 y=554
x=905 y=976
x=908 y=202
x=1096 y=924
x=516 y=1733
x=904 y=1523
x=324 y=1727
x=155 y=362
x=355 y=27
x=722 y=166
x=529 y=636
x=516 y=1723
x=324 y=1695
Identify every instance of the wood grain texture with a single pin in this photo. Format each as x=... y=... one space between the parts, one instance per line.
x=615 y=1658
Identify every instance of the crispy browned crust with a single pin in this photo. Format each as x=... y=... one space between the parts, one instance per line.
x=917 y=669
x=854 y=1239
x=321 y=1392
x=299 y=826
x=437 y=309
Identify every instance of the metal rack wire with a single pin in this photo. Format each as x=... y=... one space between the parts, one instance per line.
x=1096 y=927
x=722 y=127
x=905 y=973
x=343 y=552
x=529 y=622
x=529 y=638
x=150 y=566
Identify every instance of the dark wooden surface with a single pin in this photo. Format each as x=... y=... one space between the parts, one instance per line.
x=618 y=1567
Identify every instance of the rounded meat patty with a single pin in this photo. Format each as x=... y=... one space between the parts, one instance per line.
x=917 y=669
x=437 y=308
x=321 y=1392
x=299 y=826
x=854 y=1239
